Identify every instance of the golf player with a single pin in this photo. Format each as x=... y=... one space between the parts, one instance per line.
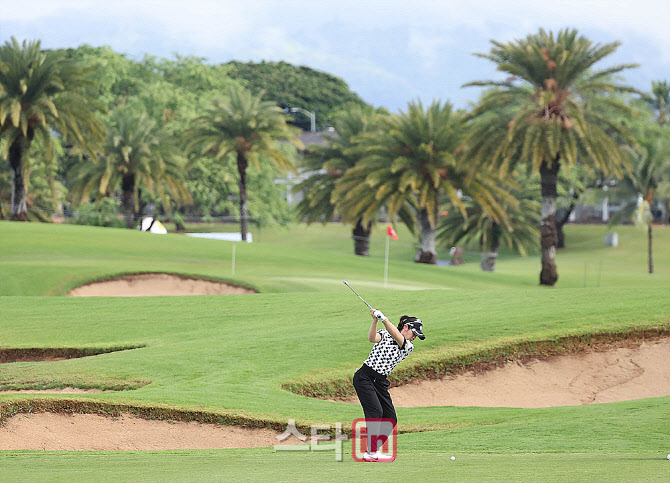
x=391 y=345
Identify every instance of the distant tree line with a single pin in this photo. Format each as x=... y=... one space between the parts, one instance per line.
x=89 y=129
x=108 y=132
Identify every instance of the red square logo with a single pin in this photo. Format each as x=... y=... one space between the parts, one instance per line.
x=383 y=435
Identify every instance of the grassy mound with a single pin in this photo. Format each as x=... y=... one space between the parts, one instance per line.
x=484 y=357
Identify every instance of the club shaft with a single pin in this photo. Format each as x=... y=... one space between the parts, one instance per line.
x=345 y=283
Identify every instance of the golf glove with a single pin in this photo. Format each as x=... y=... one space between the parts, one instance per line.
x=378 y=314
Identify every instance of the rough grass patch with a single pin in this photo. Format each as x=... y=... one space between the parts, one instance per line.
x=14 y=407
x=40 y=354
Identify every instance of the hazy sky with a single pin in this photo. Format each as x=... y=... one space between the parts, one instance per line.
x=389 y=52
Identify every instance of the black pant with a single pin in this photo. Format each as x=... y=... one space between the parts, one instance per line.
x=372 y=390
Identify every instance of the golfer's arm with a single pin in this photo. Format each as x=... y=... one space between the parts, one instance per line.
x=373 y=336
x=393 y=330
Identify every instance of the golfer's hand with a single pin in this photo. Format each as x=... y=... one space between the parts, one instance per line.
x=377 y=315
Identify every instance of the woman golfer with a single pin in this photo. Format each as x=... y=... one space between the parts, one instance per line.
x=391 y=345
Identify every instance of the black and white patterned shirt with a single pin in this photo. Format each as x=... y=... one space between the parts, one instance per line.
x=386 y=354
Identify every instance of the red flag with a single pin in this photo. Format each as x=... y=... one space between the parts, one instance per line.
x=391 y=233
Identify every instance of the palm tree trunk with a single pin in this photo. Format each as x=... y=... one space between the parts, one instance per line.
x=19 y=208
x=651 y=260
x=361 y=236
x=127 y=204
x=560 y=223
x=140 y=206
x=490 y=257
x=549 y=238
x=179 y=223
x=427 y=253
x=242 y=164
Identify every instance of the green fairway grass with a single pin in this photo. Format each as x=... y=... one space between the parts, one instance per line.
x=232 y=356
x=235 y=352
x=43 y=259
x=263 y=464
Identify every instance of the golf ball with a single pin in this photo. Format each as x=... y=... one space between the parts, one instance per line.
x=669 y=456
x=453 y=457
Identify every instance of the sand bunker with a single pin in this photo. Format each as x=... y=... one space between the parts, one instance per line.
x=89 y=432
x=152 y=284
x=638 y=371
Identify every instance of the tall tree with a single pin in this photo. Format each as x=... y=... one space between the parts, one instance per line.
x=244 y=125
x=648 y=161
x=551 y=122
x=42 y=92
x=137 y=154
x=408 y=163
x=659 y=100
x=44 y=192
x=325 y=165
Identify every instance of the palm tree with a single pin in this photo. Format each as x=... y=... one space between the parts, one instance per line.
x=659 y=100
x=44 y=193
x=327 y=164
x=42 y=92
x=137 y=154
x=406 y=165
x=641 y=184
x=520 y=233
x=246 y=126
x=557 y=104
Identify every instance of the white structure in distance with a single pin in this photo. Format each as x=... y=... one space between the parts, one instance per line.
x=237 y=237
x=148 y=224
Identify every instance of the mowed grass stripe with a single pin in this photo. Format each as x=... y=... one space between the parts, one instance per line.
x=263 y=464
x=235 y=352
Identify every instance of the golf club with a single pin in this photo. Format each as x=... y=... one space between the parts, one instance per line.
x=378 y=313
x=347 y=284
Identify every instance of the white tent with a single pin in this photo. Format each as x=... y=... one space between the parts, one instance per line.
x=156 y=227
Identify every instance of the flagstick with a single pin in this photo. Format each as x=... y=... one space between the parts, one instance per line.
x=233 y=259
x=386 y=264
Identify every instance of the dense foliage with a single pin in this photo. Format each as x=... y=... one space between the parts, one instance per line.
x=296 y=86
x=170 y=93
